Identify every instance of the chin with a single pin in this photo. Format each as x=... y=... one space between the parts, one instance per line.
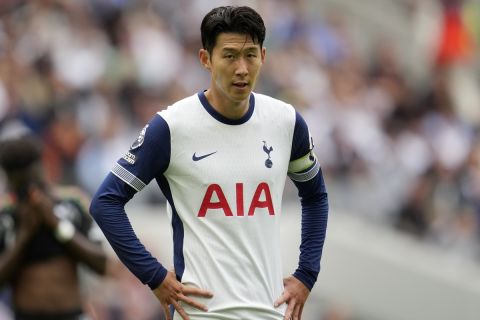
x=240 y=96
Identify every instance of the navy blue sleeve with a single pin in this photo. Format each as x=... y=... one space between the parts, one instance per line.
x=147 y=158
x=301 y=143
x=306 y=174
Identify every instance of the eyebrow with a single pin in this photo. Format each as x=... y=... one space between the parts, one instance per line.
x=249 y=48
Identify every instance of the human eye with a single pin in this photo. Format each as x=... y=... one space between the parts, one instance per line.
x=229 y=56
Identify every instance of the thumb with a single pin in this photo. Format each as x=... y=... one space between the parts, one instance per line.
x=281 y=300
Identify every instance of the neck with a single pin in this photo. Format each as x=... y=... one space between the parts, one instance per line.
x=228 y=108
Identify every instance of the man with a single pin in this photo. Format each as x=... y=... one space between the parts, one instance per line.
x=221 y=157
x=43 y=238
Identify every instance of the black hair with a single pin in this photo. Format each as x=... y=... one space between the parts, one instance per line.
x=231 y=19
x=20 y=153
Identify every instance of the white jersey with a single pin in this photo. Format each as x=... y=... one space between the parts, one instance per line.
x=229 y=203
x=223 y=180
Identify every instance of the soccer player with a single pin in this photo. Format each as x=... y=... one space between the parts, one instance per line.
x=221 y=157
x=44 y=236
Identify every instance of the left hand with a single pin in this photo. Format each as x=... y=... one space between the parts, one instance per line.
x=43 y=204
x=295 y=294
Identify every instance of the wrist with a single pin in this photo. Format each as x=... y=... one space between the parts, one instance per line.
x=158 y=278
x=307 y=277
x=64 y=231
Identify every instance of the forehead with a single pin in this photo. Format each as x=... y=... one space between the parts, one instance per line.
x=235 y=41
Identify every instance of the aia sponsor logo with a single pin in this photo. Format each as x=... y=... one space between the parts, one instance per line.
x=215 y=191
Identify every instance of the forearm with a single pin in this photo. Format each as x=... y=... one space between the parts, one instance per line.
x=314 y=202
x=87 y=252
x=107 y=209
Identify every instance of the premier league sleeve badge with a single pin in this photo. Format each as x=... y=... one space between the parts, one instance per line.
x=139 y=141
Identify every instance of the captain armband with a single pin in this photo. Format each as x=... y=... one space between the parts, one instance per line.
x=304 y=168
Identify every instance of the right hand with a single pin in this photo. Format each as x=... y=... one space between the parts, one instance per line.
x=171 y=291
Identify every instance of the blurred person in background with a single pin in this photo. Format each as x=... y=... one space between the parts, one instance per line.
x=222 y=143
x=45 y=233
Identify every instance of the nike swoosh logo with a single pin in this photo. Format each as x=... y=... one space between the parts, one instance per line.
x=195 y=158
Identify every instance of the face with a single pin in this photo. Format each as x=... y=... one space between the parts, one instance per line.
x=234 y=65
x=20 y=182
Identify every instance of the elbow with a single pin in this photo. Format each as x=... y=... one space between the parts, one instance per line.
x=95 y=207
x=106 y=207
x=98 y=261
x=102 y=265
x=101 y=204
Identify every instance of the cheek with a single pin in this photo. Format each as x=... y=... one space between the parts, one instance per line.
x=220 y=73
x=255 y=70
x=217 y=76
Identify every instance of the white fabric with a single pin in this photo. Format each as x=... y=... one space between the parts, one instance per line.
x=238 y=258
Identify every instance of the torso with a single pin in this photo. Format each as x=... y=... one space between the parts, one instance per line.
x=48 y=286
x=47 y=280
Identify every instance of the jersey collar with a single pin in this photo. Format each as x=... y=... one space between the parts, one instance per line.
x=214 y=113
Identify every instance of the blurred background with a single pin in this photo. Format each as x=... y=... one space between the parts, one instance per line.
x=391 y=92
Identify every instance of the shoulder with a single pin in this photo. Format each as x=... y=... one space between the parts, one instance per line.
x=6 y=203
x=180 y=108
x=263 y=100
x=274 y=109
x=7 y=221
x=7 y=209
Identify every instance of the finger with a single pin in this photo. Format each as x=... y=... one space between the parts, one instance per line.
x=196 y=292
x=180 y=310
x=283 y=298
x=166 y=310
x=192 y=302
x=300 y=312
x=296 y=311
x=289 y=312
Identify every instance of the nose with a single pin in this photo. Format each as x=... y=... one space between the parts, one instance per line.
x=241 y=67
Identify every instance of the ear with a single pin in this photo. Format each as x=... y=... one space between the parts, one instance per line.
x=204 y=58
x=263 y=54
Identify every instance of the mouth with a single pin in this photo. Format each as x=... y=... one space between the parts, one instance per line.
x=240 y=84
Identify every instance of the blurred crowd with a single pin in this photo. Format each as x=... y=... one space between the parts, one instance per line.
x=395 y=121
x=400 y=148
